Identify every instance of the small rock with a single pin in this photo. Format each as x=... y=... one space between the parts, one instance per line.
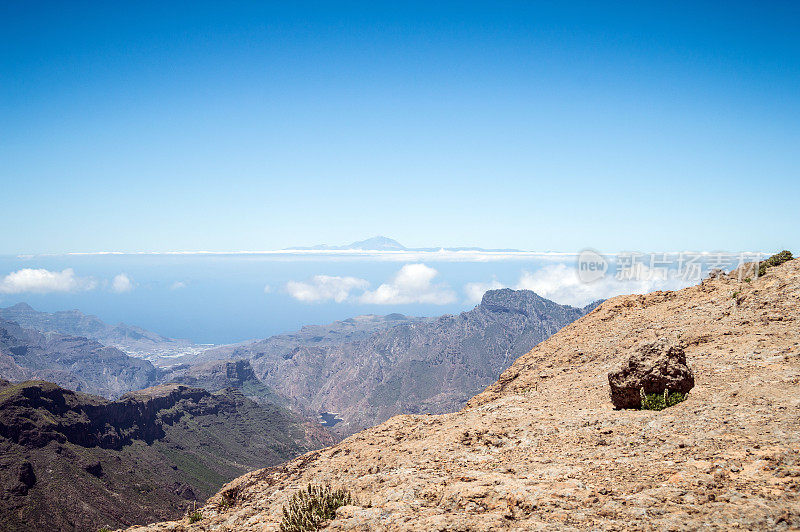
x=26 y=475
x=347 y=512
x=94 y=468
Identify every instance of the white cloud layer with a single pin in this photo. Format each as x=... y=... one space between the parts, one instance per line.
x=177 y=285
x=121 y=284
x=42 y=281
x=415 y=283
x=324 y=288
x=412 y=284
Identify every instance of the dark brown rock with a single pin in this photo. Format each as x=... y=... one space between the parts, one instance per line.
x=26 y=479
x=94 y=468
x=186 y=492
x=26 y=474
x=654 y=367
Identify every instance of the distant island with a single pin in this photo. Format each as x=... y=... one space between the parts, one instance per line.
x=383 y=243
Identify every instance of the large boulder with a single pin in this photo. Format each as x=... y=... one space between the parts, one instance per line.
x=654 y=367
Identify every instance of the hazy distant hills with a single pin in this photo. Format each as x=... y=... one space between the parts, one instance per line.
x=74 y=362
x=131 y=339
x=70 y=461
x=382 y=243
x=330 y=334
x=403 y=365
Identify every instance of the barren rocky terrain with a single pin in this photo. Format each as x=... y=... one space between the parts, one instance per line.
x=543 y=448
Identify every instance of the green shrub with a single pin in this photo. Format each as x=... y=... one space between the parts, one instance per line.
x=676 y=397
x=195 y=516
x=660 y=401
x=309 y=508
x=775 y=260
x=104 y=529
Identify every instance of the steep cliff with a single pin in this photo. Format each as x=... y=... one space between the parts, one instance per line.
x=220 y=374
x=71 y=461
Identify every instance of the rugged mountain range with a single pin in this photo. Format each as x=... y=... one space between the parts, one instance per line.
x=71 y=461
x=132 y=340
x=74 y=362
x=403 y=365
x=353 y=373
x=543 y=448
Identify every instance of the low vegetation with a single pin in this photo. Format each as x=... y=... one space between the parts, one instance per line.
x=775 y=260
x=310 y=508
x=195 y=516
x=660 y=401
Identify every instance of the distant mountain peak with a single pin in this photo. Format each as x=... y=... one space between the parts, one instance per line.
x=376 y=243
x=511 y=297
x=382 y=243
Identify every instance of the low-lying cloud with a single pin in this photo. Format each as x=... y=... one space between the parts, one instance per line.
x=412 y=284
x=475 y=291
x=560 y=283
x=41 y=281
x=121 y=283
x=325 y=288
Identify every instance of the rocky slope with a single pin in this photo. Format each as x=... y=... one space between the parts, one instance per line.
x=413 y=366
x=132 y=340
x=74 y=362
x=70 y=461
x=543 y=449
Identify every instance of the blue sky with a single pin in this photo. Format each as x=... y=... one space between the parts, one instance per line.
x=230 y=126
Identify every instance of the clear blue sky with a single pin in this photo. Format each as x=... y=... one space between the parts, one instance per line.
x=531 y=125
